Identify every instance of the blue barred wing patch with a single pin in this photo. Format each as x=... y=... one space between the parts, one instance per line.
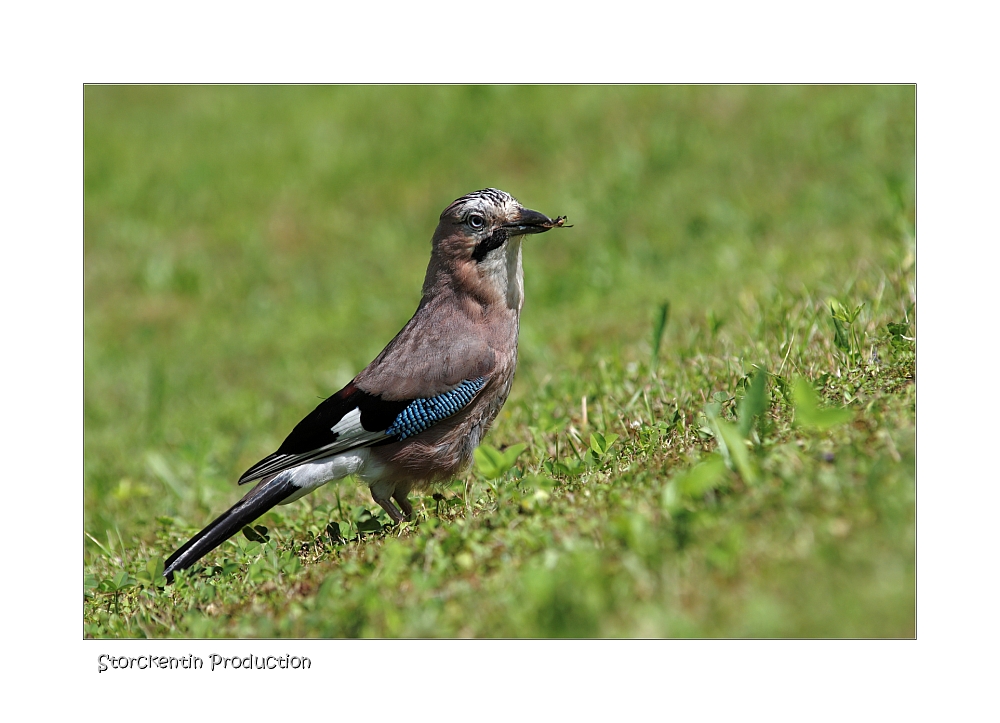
x=420 y=414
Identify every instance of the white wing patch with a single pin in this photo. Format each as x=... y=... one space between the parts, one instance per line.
x=350 y=433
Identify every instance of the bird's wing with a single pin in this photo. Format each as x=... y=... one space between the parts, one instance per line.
x=435 y=366
x=354 y=418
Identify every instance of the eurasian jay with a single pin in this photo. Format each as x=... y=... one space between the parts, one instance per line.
x=417 y=412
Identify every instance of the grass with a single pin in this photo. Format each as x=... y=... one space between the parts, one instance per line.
x=716 y=391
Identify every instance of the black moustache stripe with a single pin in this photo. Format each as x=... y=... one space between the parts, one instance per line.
x=494 y=241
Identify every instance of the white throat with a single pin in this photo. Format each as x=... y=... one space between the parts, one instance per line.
x=502 y=269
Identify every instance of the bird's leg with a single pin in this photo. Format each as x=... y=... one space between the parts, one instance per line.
x=381 y=493
x=387 y=505
x=404 y=504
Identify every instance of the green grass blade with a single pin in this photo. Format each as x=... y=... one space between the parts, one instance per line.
x=659 y=326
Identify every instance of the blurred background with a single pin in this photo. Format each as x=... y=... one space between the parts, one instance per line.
x=249 y=249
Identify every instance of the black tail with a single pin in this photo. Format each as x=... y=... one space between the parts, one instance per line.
x=259 y=500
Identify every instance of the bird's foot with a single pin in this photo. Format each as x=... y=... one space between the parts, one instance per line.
x=393 y=511
x=390 y=508
x=404 y=504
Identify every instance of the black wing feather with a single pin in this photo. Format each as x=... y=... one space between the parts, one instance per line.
x=313 y=437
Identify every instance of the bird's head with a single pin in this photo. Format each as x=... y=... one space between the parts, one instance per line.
x=477 y=245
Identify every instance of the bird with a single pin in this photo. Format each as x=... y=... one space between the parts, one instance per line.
x=417 y=412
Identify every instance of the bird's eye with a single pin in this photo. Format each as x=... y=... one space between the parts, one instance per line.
x=476 y=221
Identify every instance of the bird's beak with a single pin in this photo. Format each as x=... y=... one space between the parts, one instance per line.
x=529 y=221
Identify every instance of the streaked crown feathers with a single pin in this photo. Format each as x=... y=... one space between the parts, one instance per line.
x=481 y=201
